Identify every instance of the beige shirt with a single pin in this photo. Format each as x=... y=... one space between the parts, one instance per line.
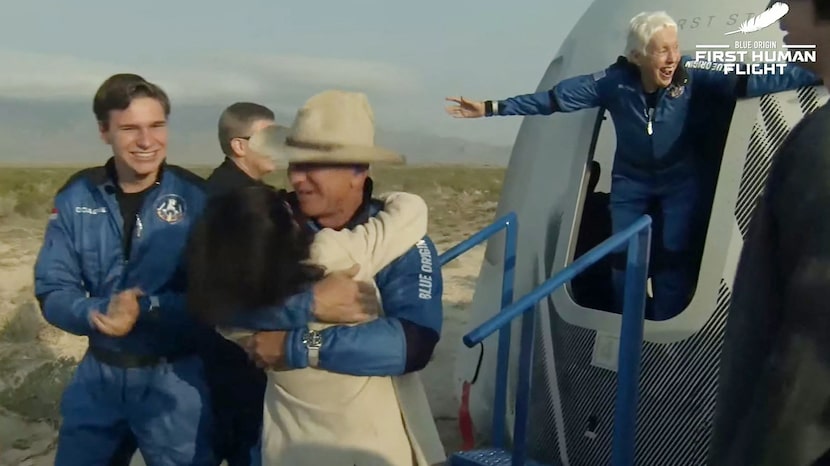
x=314 y=417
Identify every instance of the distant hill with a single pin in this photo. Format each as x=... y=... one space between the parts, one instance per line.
x=64 y=132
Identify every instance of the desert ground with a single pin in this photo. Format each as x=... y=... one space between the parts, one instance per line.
x=37 y=360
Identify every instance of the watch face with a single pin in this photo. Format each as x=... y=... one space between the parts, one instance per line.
x=313 y=339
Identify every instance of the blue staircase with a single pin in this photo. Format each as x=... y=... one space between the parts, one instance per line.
x=638 y=238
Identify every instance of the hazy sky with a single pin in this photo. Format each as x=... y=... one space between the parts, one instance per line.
x=406 y=56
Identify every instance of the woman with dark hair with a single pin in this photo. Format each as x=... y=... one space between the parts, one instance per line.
x=250 y=251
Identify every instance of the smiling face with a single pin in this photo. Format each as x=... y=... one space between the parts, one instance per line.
x=138 y=136
x=661 y=60
x=329 y=194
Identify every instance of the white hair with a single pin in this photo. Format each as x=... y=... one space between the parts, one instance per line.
x=642 y=28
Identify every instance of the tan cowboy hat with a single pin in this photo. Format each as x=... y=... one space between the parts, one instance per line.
x=331 y=127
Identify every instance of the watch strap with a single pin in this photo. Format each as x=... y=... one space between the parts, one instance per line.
x=314 y=357
x=491 y=107
x=313 y=340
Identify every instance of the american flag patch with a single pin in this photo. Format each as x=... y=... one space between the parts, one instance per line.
x=54 y=214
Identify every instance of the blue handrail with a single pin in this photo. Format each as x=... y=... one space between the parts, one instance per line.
x=638 y=237
x=510 y=224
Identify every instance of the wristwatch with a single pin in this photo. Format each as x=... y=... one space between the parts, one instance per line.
x=313 y=340
x=154 y=305
x=491 y=107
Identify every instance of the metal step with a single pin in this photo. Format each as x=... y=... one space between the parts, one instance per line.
x=486 y=457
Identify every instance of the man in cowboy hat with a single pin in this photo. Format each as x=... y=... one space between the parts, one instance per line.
x=328 y=151
x=237 y=385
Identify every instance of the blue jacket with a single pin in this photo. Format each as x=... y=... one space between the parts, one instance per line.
x=661 y=139
x=81 y=263
x=411 y=290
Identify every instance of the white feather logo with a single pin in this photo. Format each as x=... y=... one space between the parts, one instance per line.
x=756 y=23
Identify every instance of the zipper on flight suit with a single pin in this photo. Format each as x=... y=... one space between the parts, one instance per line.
x=649 y=114
x=649 y=111
x=128 y=252
x=138 y=228
x=127 y=245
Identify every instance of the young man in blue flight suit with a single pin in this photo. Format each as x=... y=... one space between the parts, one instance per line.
x=109 y=269
x=649 y=95
x=338 y=194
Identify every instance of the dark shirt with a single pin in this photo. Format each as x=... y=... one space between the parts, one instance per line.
x=774 y=406
x=227 y=177
x=130 y=206
x=233 y=377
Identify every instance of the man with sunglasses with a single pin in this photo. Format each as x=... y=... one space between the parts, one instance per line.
x=241 y=167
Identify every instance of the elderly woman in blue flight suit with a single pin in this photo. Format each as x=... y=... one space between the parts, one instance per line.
x=649 y=95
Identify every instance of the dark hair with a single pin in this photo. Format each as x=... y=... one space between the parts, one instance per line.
x=822 y=9
x=236 y=120
x=246 y=252
x=119 y=91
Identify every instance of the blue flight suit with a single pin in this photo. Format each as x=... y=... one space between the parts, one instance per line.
x=402 y=341
x=656 y=159
x=149 y=383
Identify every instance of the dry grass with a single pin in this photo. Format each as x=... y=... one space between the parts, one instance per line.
x=461 y=198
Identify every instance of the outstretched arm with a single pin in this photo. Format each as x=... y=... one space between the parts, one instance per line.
x=569 y=95
x=722 y=78
x=402 y=341
x=793 y=77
